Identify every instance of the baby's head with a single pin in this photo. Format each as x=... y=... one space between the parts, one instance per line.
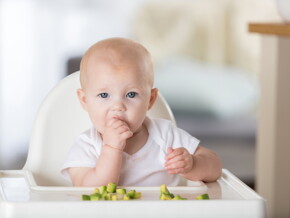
x=117 y=78
x=117 y=53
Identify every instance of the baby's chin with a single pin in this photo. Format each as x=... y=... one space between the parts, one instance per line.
x=98 y=131
x=139 y=129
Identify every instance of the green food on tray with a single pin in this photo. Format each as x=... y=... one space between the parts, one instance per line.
x=112 y=193
x=102 y=189
x=86 y=198
x=164 y=189
x=202 y=197
x=178 y=197
x=96 y=191
x=95 y=197
x=121 y=191
x=111 y=187
x=166 y=195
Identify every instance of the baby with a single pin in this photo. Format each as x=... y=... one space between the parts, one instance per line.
x=124 y=146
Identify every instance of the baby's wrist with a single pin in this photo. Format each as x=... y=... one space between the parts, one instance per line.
x=112 y=147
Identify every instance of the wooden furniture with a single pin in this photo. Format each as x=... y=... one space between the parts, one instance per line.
x=277 y=29
x=273 y=144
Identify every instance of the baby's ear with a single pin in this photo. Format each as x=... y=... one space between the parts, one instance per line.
x=82 y=98
x=153 y=97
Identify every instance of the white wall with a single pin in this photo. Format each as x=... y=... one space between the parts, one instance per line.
x=38 y=36
x=36 y=39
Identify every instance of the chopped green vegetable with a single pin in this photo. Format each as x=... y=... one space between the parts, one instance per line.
x=86 y=197
x=131 y=194
x=113 y=197
x=126 y=197
x=138 y=195
x=178 y=197
x=121 y=191
x=166 y=195
x=103 y=189
x=96 y=191
x=95 y=197
x=111 y=192
x=105 y=193
x=107 y=197
x=111 y=188
x=164 y=189
x=202 y=197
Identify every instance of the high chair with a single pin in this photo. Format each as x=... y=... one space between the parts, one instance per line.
x=59 y=121
x=39 y=190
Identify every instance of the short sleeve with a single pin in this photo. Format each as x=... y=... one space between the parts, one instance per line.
x=168 y=135
x=180 y=138
x=83 y=153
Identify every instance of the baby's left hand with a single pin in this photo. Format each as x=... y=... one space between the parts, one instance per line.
x=178 y=161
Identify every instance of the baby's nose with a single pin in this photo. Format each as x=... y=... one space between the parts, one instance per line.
x=118 y=106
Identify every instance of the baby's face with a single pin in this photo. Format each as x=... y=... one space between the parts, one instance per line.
x=112 y=92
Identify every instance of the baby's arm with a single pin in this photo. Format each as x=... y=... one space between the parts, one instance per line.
x=109 y=163
x=203 y=165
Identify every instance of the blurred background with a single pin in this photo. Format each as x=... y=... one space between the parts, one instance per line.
x=206 y=64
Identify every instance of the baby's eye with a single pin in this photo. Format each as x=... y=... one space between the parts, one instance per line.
x=131 y=94
x=103 y=95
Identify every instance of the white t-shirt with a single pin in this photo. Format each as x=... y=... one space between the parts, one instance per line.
x=143 y=168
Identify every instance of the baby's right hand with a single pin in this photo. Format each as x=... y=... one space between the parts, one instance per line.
x=116 y=133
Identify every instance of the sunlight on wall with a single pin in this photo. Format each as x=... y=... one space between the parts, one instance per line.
x=17 y=63
x=36 y=40
x=38 y=37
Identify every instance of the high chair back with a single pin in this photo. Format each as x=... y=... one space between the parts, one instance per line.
x=59 y=121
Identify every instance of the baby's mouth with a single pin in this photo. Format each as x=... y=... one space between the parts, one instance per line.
x=119 y=117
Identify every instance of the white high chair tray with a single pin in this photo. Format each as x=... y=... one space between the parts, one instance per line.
x=21 y=197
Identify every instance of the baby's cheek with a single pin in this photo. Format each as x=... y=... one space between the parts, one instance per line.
x=99 y=125
x=135 y=125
